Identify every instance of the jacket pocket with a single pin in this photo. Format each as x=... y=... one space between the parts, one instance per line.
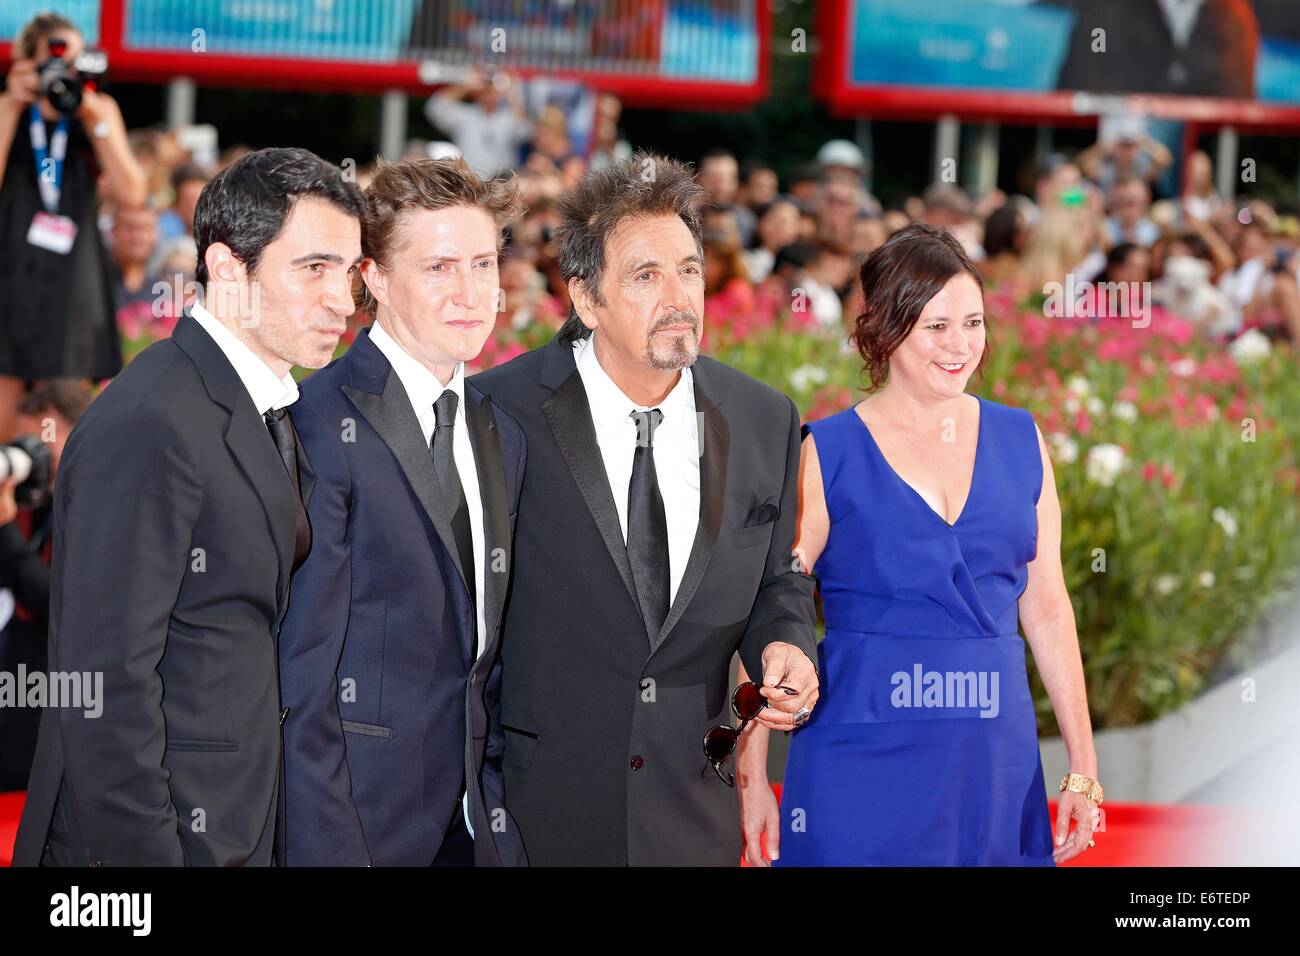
x=521 y=747
x=754 y=534
x=368 y=730
x=181 y=743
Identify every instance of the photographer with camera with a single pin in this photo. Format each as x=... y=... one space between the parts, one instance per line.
x=63 y=146
x=27 y=469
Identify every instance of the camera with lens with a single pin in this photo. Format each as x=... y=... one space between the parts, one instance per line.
x=31 y=461
x=63 y=83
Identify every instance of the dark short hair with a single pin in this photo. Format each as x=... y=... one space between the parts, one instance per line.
x=246 y=205
x=898 y=279
x=797 y=255
x=415 y=184
x=780 y=199
x=70 y=397
x=188 y=173
x=810 y=172
x=1001 y=229
x=750 y=167
x=717 y=152
x=1118 y=255
x=645 y=184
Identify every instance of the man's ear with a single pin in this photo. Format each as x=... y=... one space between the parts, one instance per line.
x=375 y=279
x=582 y=304
x=223 y=264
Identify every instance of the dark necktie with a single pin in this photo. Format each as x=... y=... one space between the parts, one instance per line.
x=286 y=442
x=453 y=493
x=647 y=526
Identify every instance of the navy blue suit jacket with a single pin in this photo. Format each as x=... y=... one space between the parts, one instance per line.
x=390 y=712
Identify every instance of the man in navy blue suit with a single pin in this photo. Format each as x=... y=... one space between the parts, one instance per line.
x=388 y=654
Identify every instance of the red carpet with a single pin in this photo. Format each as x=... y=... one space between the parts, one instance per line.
x=1136 y=834
x=11 y=808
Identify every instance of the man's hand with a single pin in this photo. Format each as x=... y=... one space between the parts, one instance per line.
x=787 y=666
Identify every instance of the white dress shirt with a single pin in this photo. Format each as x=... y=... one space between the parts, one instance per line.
x=1180 y=16
x=267 y=390
x=676 y=451
x=423 y=388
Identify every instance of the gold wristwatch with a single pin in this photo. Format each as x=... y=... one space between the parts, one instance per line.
x=1085 y=785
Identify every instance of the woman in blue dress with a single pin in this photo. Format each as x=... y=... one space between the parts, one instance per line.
x=930 y=519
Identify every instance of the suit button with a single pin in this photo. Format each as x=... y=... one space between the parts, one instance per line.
x=637 y=761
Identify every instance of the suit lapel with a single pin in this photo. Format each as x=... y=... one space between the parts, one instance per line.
x=716 y=444
x=569 y=415
x=390 y=413
x=485 y=439
x=249 y=442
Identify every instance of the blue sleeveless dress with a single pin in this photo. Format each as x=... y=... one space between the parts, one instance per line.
x=922 y=749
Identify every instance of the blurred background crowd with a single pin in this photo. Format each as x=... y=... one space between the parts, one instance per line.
x=794 y=244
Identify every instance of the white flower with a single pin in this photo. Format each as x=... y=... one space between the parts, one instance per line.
x=1125 y=411
x=1205 y=579
x=1251 y=346
x=1226 y=521
x=1079 y=385
x=1071 y=404
x=1095 y=405
x=1065 y=448
x=806 y=377
x=1165 y=584
x=1184 y=367
x=1105 y=462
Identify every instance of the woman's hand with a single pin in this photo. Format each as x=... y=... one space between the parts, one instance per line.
x=759 y=814
x=122 y=179
x=1086 y=816
x=96 y=108
x=23 y=85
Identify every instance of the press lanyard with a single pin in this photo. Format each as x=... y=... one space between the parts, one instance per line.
x=57 y=150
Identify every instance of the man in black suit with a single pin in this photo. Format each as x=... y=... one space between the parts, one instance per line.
x=653 y=541
x=178 y=520
x=1176 y=47
x=388 y=656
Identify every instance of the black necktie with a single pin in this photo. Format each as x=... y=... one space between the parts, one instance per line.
x=453 y=493
x=286 y=442
x=647 y=526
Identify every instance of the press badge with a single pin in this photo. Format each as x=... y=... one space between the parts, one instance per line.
x=55 y=233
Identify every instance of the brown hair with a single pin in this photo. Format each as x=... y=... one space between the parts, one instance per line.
x=898 y=279
x=70 y=397
x=39 y=28
x=413 y=184
x=644 y=184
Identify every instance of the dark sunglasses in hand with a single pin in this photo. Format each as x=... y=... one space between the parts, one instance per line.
x=720 y=742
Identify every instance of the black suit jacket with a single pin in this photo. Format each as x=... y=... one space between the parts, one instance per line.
x=374 y=773
x=1141 y=56
x=604 y=725
x=173 y=544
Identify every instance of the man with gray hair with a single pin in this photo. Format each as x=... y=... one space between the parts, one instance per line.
x=653 y=542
